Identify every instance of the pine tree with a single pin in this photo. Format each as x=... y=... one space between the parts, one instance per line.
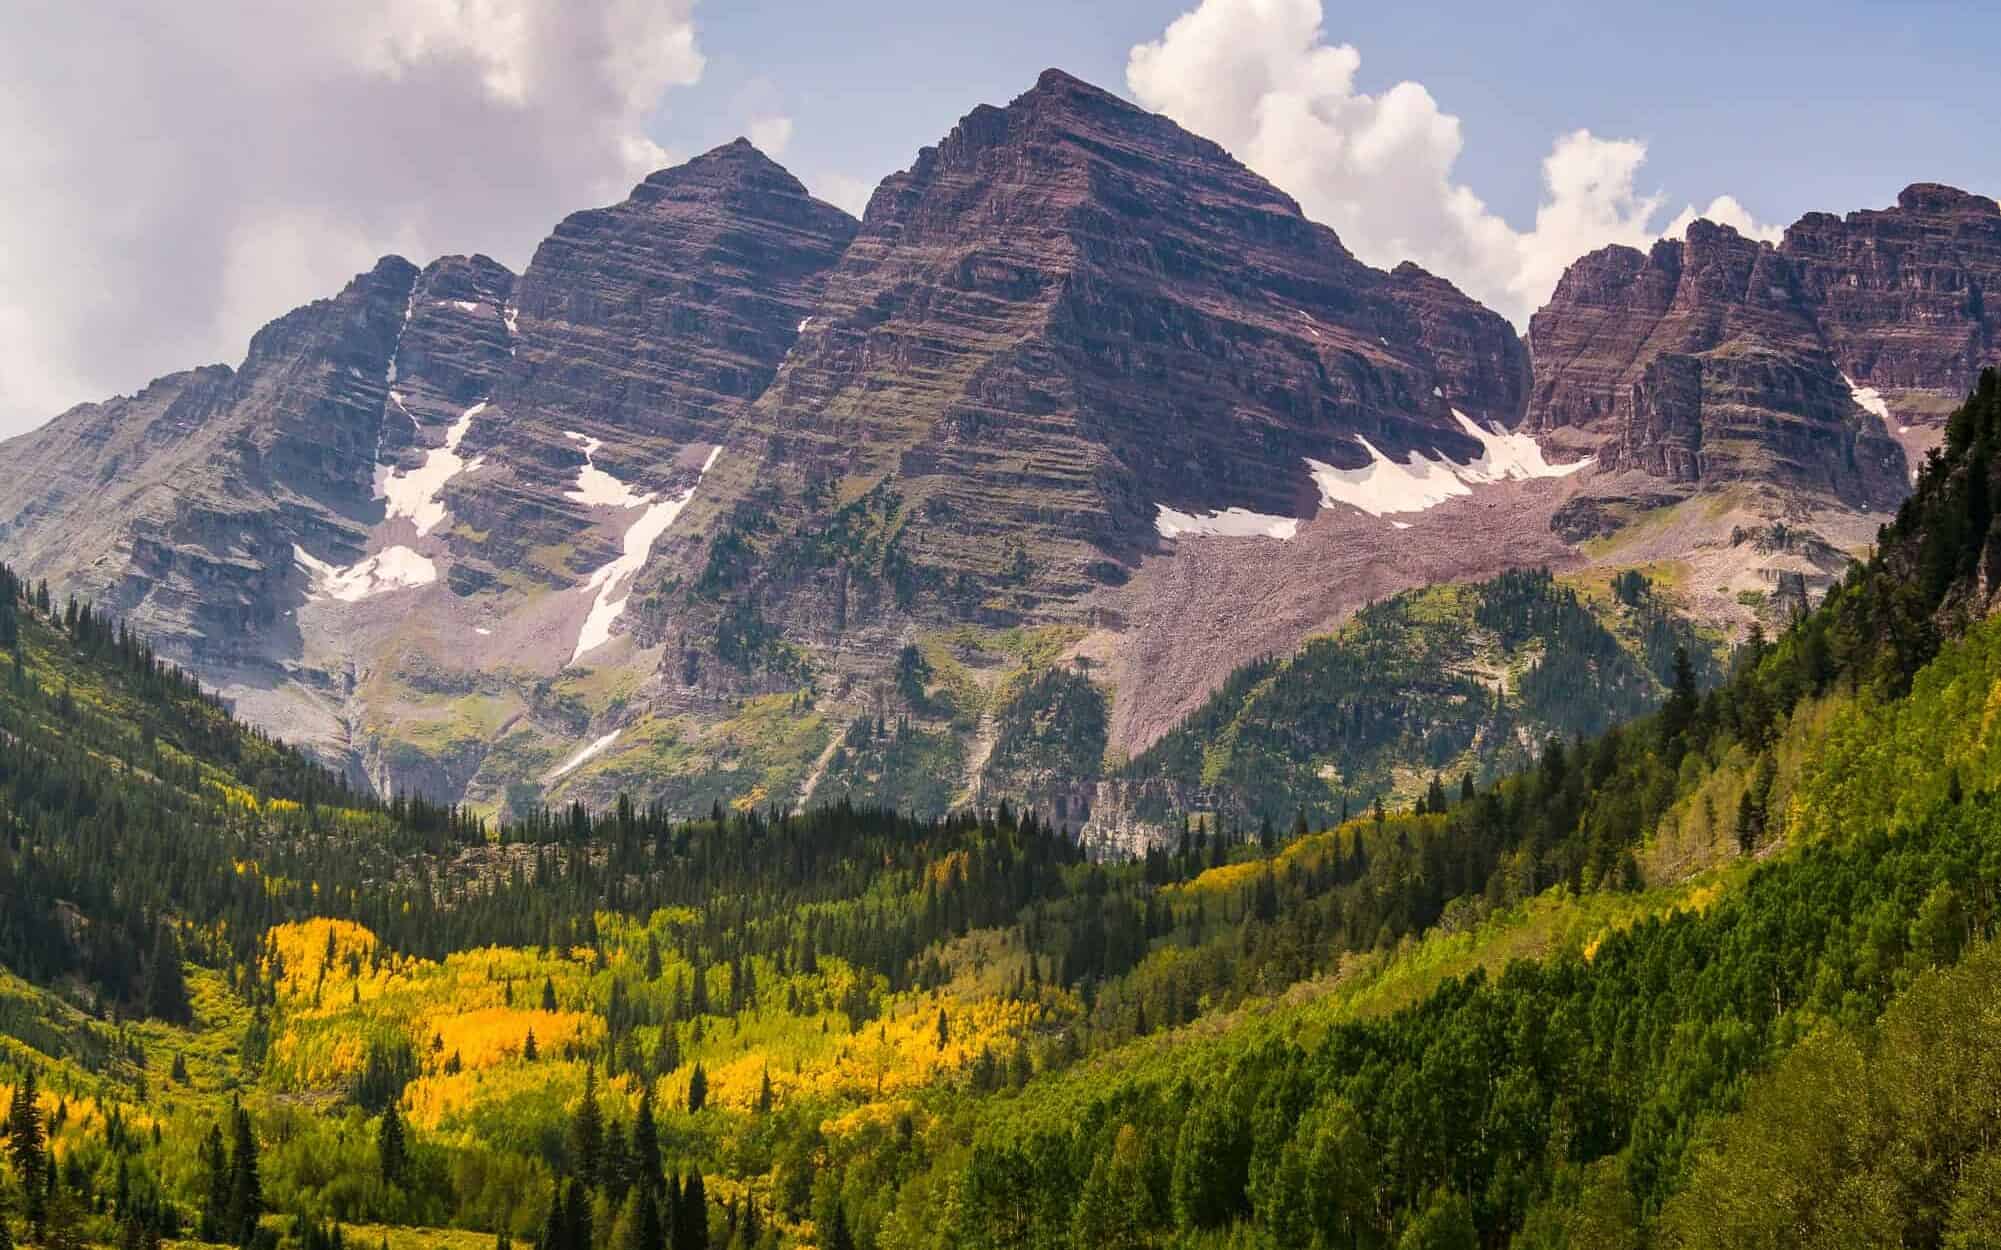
x=698 y=1089
x=215 y=1168
x=838 y=1236
x=528 y=1051
x=646 y=1145
x=26 y=1146
x=691 y=1222
x=587 y=1134
x=246 y=1187
x=548 y=994
x=390 y=1148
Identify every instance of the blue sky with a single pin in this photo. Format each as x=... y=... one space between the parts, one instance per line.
x=1787 y=106
x=179 y=174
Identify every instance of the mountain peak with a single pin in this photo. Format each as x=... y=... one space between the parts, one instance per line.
x=1937 y=197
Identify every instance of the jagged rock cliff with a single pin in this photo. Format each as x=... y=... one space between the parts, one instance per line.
x=1702 y=363
x=728 y=497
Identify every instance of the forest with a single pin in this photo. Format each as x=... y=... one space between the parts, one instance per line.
x=1715 y=975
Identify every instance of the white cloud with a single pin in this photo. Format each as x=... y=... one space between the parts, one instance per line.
x=1724 y=210
x=1261 y=78
x=181 y=173
x=844 y=191
x=771 y=134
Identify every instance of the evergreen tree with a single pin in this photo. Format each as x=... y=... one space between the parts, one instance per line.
x=214 y=1160
x=646 y=1145
x=587 y=1134
x=838 y=1236
x=167 y=988
x=698 y=1089
x=26 y=1146
x=691 y=1222
x=246 y=1186
x=391 y=1151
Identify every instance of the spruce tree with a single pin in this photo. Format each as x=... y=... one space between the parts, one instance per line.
x=698 y=1089
x=646 y=1145
x=26 y=1147
x=390 y=1148
x=246 y=1186
x=587 y=1133
x=691 y=1223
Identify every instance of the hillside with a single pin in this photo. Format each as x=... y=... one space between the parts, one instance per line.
x=1625 y=967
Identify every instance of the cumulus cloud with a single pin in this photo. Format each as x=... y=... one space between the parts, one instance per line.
x=181 y=173
x=1261 y=78
x=771 y=135
x=843 y=191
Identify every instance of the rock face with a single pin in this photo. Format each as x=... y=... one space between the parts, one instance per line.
x=1071 y=313
x=648 y=327
x=1720 y=359
x=1701 y=364
x=730 y=498
x=374 y=535
x=177 y=507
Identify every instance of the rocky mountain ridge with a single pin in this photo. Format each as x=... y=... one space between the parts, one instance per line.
x=728 y=497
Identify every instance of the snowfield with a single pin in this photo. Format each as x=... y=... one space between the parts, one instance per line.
x=584 y=755
x=415 y=494
x=1229 y=523
x=1869 y=398
x=392 y=568
x=597 y=488
x=1385 y=486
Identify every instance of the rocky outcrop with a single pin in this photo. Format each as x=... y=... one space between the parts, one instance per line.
x=1904 y=296
x=178 y=507
x=1719 y=359
x=1701 y=363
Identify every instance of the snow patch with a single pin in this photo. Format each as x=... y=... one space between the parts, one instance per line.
x=1869 y=399
x=595 y=488
x=1400 y=525
x=465 y=305
x=635 y=546
x=1384 y=486
x=584 y=755
x=392 y=568
x=415 y=494
x=1509 y=456
x=803 y=323
x=481 y=630
x=1229 y=523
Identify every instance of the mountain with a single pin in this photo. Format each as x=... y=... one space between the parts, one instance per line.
x=1074 y=356
x=1722 y=975
x=730 y=499
x=1810 y=376
x=388 y=529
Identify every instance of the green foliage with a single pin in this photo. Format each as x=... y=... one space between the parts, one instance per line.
x=1447 y=678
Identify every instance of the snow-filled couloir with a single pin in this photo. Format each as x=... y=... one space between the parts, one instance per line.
x=599 y=489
